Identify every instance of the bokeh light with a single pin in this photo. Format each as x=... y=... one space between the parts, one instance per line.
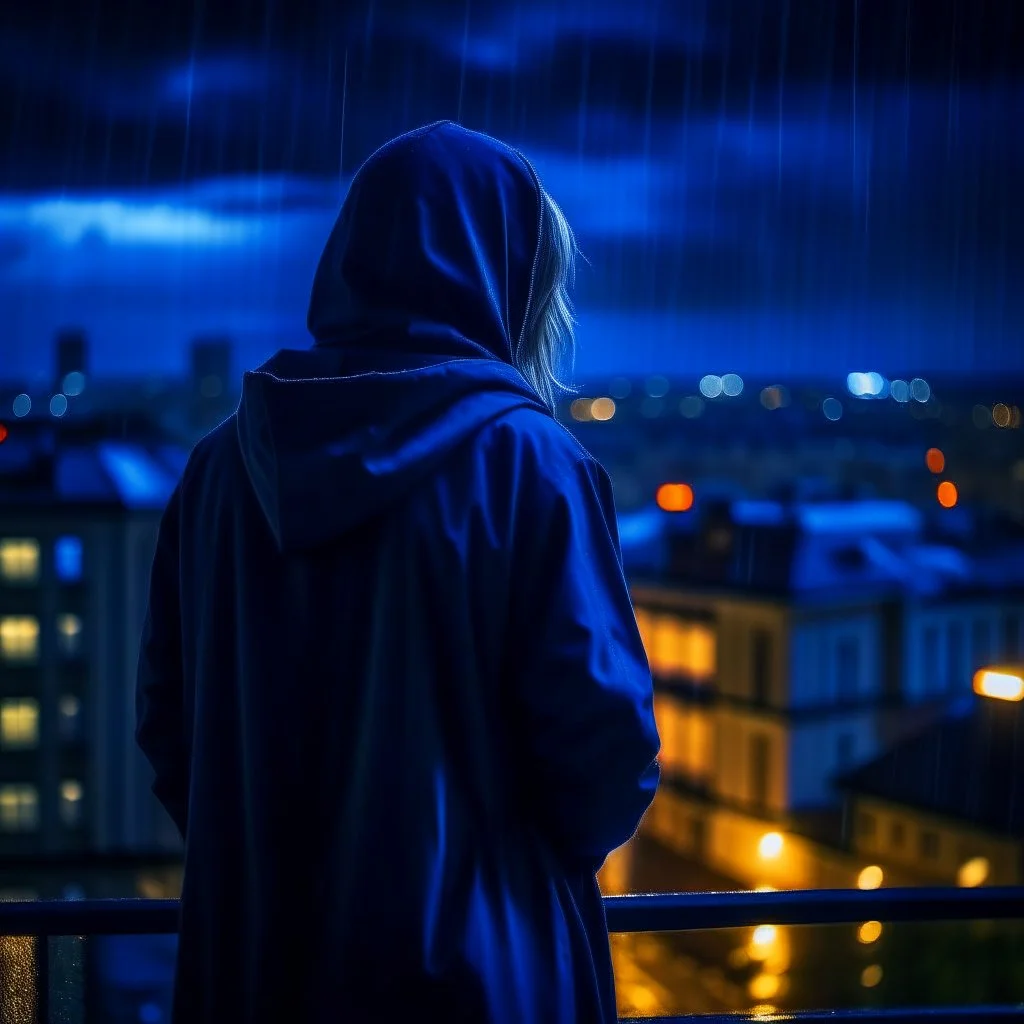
x=935 y=460
x=947 y=494
x=675 y=497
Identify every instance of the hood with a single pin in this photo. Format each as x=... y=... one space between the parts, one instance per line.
x=418 y=303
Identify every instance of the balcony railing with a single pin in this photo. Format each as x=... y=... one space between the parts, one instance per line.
x=45 y=972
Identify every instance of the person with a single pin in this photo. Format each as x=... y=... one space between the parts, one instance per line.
x=391 y=684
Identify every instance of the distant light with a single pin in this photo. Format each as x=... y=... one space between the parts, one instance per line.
x=877 y=385
x=920 y=390
x=22 y=405
x=1015 y=418
x=871 y=877
x=981 y=415
x=868 y=932
x=857 y=383
x=774 y=397
x=1001 y=415
x=973 y=873
x=732 y=385
x=675 y=497
x=764 y=935
x=580 y=410
x=602 y=409
x=58 y=405
x=620 y=387
x=3 y=433
x=71 y=791
x=770 y=845
x=657 y=386
x=947 y=494
x=871 y=976
x=691 y=407
x=832 y=409
x=900 y=391
x=935 y=460
x=1000 y=683
x=73 y=384
x=764 y=986
x=67 y=556
x=711 y=386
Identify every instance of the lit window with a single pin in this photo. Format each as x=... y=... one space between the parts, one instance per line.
x=69 y=634
x=679 y=648
x=19 y=638
x=71 y=803
x=19 y=560
x=67 y=557
x=19 y=723
x=69 y=710
x=19 y=807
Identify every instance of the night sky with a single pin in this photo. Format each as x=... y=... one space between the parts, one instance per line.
x=790 y=187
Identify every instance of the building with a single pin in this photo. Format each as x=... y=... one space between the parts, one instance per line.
x=78 y=518
x=944 y=804
x=790 y=643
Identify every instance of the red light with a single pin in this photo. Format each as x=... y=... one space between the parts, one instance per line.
x=3 y=433
x=947 y=494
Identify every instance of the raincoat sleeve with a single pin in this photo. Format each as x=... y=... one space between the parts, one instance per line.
x=583 y=682
x=159 y=694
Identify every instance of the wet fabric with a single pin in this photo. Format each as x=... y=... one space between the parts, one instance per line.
x=390 y=680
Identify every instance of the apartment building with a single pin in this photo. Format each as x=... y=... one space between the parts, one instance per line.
x=790 y=644
x=78 y=520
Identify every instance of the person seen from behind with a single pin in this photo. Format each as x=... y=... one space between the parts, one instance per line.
x=390 y=682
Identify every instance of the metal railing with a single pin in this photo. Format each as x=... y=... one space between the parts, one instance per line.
x=40 y=922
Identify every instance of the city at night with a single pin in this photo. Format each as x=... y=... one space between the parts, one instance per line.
x=467 y=466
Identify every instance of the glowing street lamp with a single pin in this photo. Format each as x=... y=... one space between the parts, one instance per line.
x=1000 y=682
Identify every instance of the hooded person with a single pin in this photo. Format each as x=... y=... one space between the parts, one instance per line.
x=390 y=680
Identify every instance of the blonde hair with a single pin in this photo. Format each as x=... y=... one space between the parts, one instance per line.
x=549 y=336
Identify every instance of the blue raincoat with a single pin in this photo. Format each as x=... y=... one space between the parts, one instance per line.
x=390 y=681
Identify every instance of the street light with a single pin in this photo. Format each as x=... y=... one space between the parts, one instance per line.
x=1000 y=682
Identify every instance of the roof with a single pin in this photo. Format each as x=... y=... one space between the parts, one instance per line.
x=969 y=766
x=807 y=551
x=77 y=466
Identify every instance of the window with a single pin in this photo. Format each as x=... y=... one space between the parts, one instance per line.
x=897 y=835
x=847 y=669
x=69 y=717
x=929 y=842
x=19 y=638
x=67 y=559
x=19 y=807
x=760 y=767
x=19 y=560
x=69 y=635
x=71 y=803
x=981 y=643
x=955 y=655
x=761 y=666
x=19 y=723
x=867 y=825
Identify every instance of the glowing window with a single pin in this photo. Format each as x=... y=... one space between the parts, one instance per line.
x=69 y=634
x=19 y=807
x=67 y=555
x=19 y=560
x=19 y=638
x=71 y=803
x=19 y=723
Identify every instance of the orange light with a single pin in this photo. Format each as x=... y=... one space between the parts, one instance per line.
x=947 y=494
x=1001 y=415
x=675 y=497
x=3 y=433
x=935 y=460
x=1000 y=682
